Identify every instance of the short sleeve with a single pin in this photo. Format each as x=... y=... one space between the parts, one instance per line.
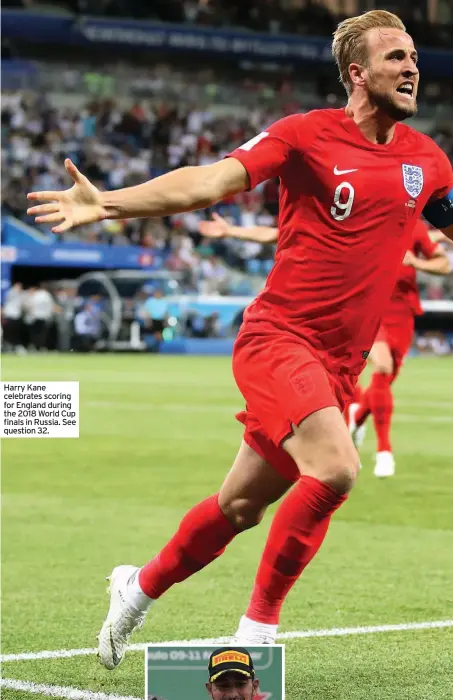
x=265 y=155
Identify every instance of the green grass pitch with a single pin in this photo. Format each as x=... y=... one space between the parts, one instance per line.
x=157 y=435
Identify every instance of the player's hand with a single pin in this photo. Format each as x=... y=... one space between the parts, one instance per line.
x=81 y=204
x=218 y=228
x=410 y=260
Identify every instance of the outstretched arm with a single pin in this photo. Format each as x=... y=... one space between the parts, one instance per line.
x=439 y=237
x=182 y=190
x=220 y=228
x=437 y=264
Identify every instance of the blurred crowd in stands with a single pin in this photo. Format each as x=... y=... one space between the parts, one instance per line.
x=429 y=23
x=35 y=319
x=59 y=316
x=55 y=316
x=117 y=147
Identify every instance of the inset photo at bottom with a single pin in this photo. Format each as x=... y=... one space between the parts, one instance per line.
x=187 y=672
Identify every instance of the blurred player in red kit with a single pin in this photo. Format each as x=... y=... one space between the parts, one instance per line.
x=354 y=181
x=394 y=335
x=392 y=344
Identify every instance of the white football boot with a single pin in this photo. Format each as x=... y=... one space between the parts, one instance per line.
x=128 y=607
x=385 y=465
x=357 y=432
x=251 y=632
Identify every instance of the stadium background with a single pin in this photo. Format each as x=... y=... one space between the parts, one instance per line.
x=128 y=100
x=129 y=90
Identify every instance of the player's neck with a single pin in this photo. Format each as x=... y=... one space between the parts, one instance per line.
x=375 y=126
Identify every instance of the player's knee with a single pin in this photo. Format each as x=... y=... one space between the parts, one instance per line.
x=342 y=475
x=243 y=512
x=340 y=467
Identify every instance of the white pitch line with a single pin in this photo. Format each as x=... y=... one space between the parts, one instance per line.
x=59 y=691
x=298 y=634
x=58 y=654
x=343 y=632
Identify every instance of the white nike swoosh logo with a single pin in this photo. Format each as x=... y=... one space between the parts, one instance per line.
x=343 y=172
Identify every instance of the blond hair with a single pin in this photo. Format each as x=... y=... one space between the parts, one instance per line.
x=349 y=45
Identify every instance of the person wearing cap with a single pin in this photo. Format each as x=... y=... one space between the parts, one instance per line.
x=231 y=675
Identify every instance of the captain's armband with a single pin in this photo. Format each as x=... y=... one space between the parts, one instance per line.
x=440 y=212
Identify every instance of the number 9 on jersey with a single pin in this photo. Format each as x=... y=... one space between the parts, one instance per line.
x=342 y=209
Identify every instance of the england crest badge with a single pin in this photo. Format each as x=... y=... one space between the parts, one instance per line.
x=413 y=179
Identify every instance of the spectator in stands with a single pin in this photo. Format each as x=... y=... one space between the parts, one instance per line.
x=68 y=304
x=154 y=313
x=87 y=328
x=195 y=325
x=249 y=250
x=212 y=325
x=12 y=318
x=13 y=201
x=212 y=274
x=433 y=342
x=237 y=322
x=199 y=326
x=39 y=307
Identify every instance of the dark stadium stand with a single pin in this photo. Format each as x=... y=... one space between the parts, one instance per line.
x=276 y=16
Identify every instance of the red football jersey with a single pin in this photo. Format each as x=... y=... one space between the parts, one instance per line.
x=405 y=298
x=347 y=211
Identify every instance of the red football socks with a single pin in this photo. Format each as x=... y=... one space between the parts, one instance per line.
x=364 y=409
x=381 y=404
x=297 y=532
x=202 y=536
x=378 y=400
x=358 y=394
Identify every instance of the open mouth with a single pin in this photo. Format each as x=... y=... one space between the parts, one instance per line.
x=406 y=89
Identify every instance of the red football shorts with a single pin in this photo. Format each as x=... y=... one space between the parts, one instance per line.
x=282 y=380
x=397 y=331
